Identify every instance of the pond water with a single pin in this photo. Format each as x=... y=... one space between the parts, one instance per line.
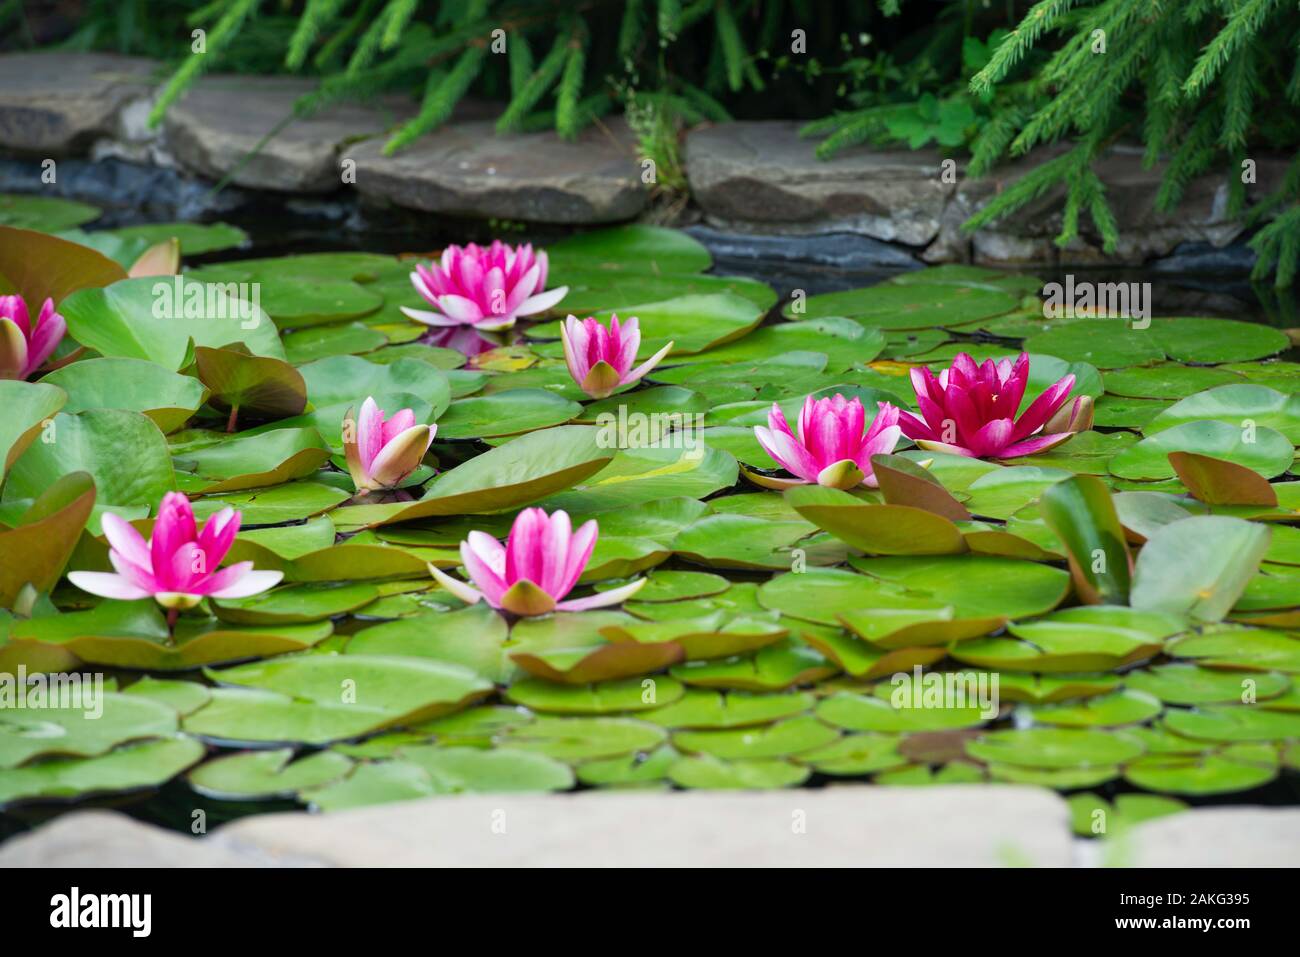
x=1268 y=748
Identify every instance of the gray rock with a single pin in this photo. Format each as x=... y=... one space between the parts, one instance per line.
x=1215 y=837
x=109 y=839
x=56 y=104
x=465 y=169
x=841 y=826
x=222 y=119
x=1026 y=236
x=763 y=173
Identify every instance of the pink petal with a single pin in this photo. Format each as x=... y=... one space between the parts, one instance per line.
x=402 y=420
x=992 y=437
x=458 y=588
x=1044 y=407
x=603 y=599
x=1038 y=443
x=370 y=432
x=913 y=427
x=243 y=584
x=580 y=549
x=218 y=535
x=542 y=301
x=787 y=453
x=484 y=559
x=173 y=528
x=526 y=555
x=429 y=318
x=107 y=585
x=640 y=371
x=46 y=337
x=126 y=541
x=460 y=309
x=576 y=344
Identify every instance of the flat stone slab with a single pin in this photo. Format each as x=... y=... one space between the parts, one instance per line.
x=56 y=104
x=1216 y=837
x=838 y=826
x=110 y=839
x=466 y=169
x=762 y=172
x=214 y=127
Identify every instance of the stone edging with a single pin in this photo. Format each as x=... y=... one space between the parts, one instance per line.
x=756 y=177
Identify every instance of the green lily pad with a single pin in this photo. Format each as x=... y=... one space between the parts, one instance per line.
x=1190 y=684
x=756 y=775
x=77 y=721
x=887 y=306
x=1204 y=775
x=1240 y=648
x=581 y=739
x=252 y=461
x=242 y=382
x=1233 y=723
x=631 y=694
x=1236 y=405
x=774 y=668
x=877 y=529
x=49 y=213
x=35 y=551
x=267 y=774
x=122 y=451
x=128 y=768
x=1166 y=381
x=473 y=637
x=1109 y=710
x=1198 y=567
x=315 y=699
x=296 y=604
x=1080 y=511
x=782 y=739
x=505 y=413
x=1216 y=340
x=1053 y=748
x=634 y=770
x=28 y=407
x=866 y=713
x=1094 y=637
x=169 y=399
x=1267 y=452
x=141 y=319
x=481 y=771
x=521 y=471
x=700 y=708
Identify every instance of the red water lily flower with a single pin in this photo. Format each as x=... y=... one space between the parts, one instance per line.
x=970 y=410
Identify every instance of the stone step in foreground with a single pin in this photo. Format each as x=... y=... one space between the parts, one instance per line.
x=849 y=825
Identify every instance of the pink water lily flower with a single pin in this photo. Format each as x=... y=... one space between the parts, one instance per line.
x=381 y=452
x=24 y=345
x=600 y=357
x=831 y=448
x=488 y=288
x=970 y=409
x=538 y=565
x=178 y=566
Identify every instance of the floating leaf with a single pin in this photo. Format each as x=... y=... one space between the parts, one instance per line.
x=1198 y=567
